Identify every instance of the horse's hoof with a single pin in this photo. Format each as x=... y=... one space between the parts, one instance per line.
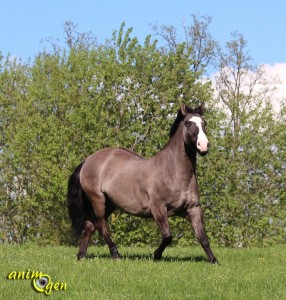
x=157 y=256
x=213 y=261
x=80 y=256
x=115 y=255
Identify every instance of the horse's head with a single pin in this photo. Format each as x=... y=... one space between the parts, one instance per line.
x=194 y=129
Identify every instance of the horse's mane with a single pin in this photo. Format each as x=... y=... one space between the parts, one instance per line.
x=176 y=123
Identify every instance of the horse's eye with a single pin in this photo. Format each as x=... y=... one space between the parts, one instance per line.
x=187 y=123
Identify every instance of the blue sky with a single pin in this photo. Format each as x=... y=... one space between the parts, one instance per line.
x=25 y=23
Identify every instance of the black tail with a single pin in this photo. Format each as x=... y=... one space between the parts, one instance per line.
x=79 y=207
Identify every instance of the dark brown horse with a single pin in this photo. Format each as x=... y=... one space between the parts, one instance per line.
x=162 y=186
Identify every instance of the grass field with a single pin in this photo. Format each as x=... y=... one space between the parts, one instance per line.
x=184 y=273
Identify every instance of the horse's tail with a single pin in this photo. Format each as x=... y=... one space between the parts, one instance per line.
x=79 y=207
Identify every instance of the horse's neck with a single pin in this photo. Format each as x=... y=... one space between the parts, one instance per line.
x=177 y=159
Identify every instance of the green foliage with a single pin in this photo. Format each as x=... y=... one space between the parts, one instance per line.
x=245 y=205
x=70 y=102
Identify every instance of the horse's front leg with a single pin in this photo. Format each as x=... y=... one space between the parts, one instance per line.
x=195 y=217
x=161 y=218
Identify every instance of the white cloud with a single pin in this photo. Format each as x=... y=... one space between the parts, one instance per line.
x=277 y=70
x=275 y=73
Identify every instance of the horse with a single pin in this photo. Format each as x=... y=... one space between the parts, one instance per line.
x=159 y=187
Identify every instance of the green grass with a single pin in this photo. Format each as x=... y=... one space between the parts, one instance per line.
x=184 y=273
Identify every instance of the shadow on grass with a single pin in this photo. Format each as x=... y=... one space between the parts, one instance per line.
x=167 y=258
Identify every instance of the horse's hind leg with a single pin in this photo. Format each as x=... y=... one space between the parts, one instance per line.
x=103 y=230
x=88 y=230
x=161 y=218
x=102 y=209
x=195 y=217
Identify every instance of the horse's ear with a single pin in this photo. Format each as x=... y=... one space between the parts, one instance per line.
x=200 y=109
x=185 y=109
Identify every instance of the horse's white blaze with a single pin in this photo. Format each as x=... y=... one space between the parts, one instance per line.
x=202 y=142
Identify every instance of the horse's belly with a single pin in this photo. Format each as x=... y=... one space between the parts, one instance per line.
x=129 y=198
x=131 y=206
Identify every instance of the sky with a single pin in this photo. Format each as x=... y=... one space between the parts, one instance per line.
x=25 y=24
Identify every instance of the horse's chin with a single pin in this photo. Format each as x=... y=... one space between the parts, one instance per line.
x=202 y=153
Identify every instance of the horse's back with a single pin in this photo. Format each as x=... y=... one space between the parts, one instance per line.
x=110 y=166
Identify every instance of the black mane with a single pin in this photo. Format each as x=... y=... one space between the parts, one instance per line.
x=176 y=123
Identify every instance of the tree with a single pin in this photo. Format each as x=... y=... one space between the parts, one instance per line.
x=242 y=88
x=199 y=45
x=245 y=161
